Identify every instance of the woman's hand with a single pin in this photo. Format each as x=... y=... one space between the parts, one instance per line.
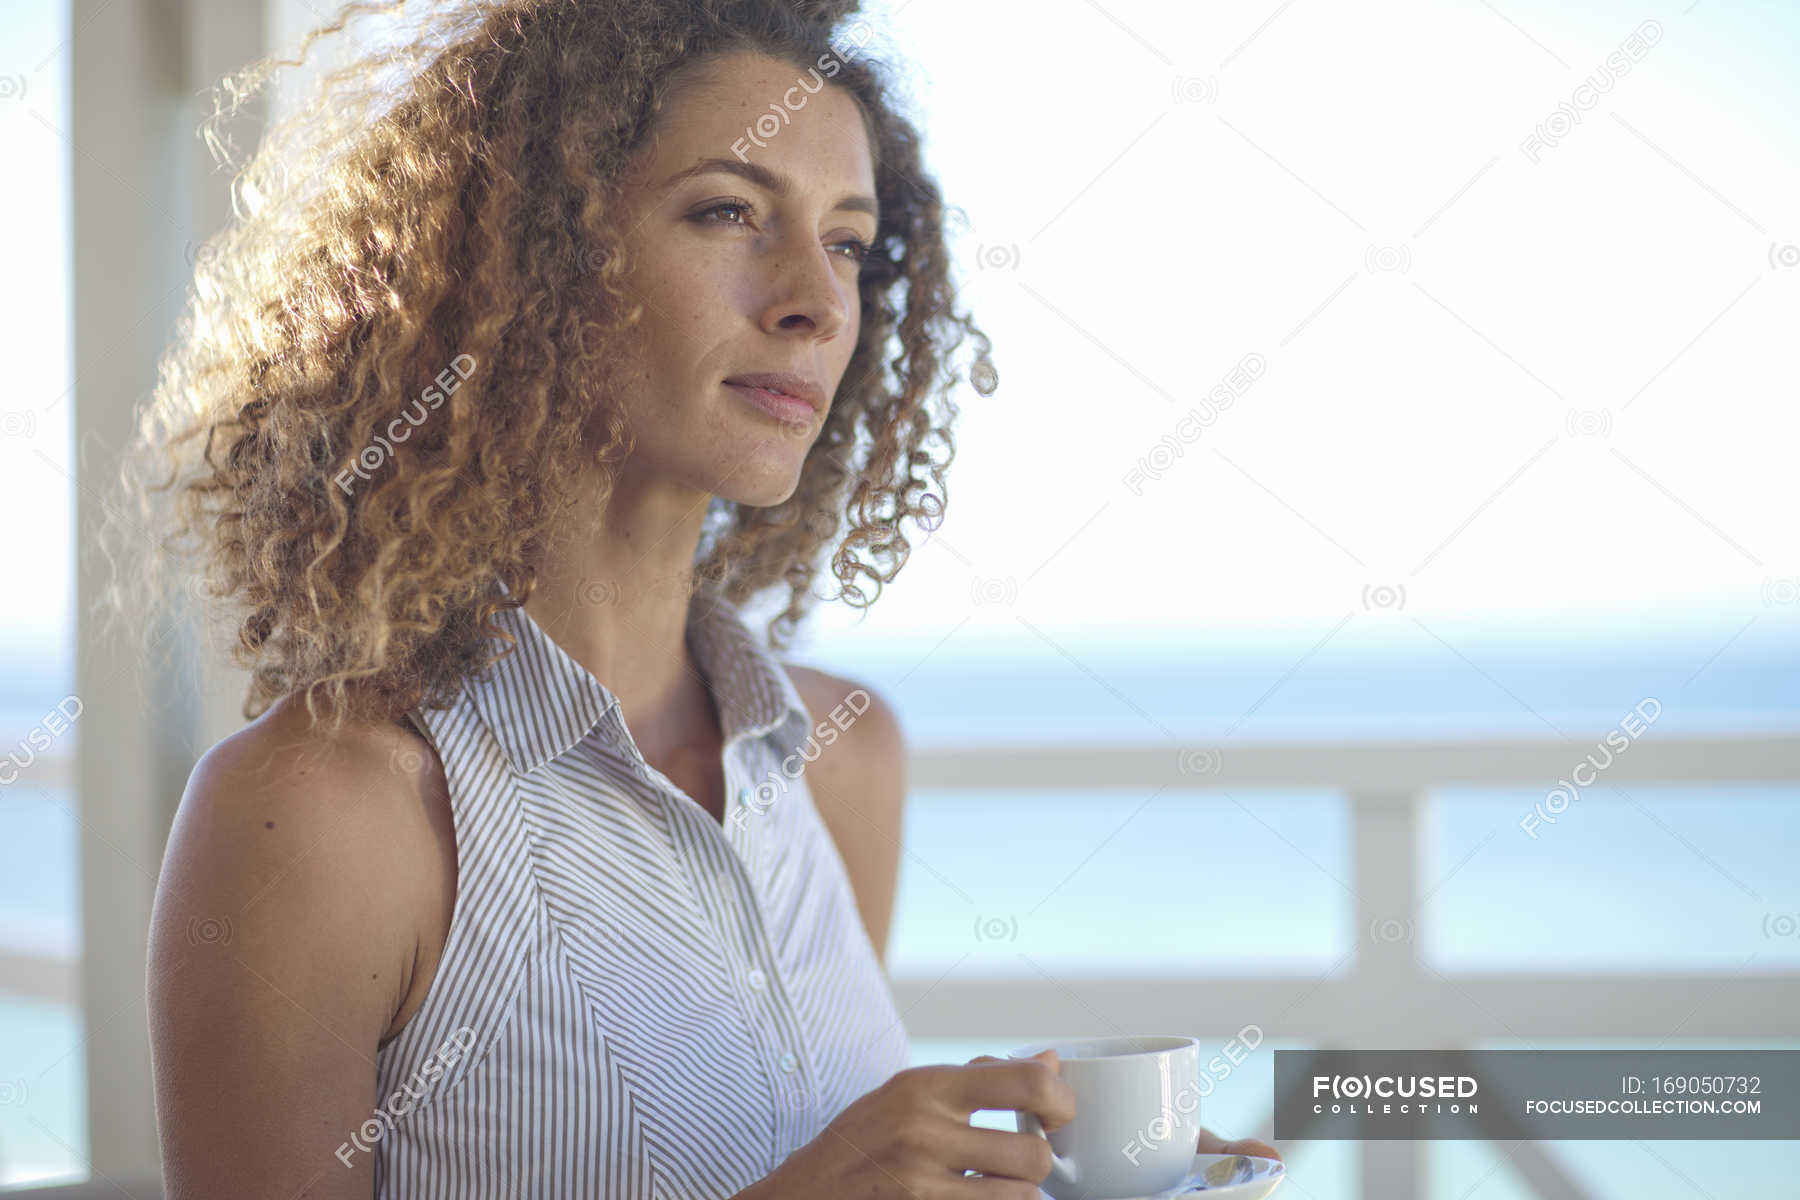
x=910 y=1138
x=1212 y=1143
x=1209 y=1142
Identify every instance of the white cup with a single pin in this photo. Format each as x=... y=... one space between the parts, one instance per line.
x=1137 y=1115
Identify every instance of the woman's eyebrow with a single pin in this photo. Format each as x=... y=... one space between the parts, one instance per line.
x=769 y=180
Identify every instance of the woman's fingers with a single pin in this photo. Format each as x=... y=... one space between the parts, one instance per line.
x=1020 y=1084
x=1211 y=1143
x=998 y=1153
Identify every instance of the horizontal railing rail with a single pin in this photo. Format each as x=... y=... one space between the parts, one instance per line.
x=53 y=979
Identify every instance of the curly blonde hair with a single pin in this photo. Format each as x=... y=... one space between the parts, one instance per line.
x=392 y=232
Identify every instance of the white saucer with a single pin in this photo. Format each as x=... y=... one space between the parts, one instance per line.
x=1231 y=1177
x=1226 y=1177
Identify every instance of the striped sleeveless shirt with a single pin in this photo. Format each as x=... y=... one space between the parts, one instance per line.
x=634 y=1001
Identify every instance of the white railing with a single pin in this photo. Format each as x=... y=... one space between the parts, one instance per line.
x=54 y=979
x=1380 y=995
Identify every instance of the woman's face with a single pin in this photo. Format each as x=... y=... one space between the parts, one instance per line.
x=744 y=271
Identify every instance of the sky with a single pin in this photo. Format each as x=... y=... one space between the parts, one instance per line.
x=1299 y=311
x=34 y=412
x=1502 y=384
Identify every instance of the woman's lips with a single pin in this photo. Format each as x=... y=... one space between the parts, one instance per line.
x=785 y=408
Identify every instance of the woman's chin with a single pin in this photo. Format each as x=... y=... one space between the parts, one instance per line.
x=762 y=491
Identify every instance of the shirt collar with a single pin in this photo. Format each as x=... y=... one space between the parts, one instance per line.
x=540 y=702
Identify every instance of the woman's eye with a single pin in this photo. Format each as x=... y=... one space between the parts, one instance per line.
x=859 y=249
x=731 y=206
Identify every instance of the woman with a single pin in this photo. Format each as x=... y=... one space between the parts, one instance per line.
x=516 y=382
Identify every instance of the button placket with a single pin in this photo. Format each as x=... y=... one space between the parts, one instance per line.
x=771 y=1019
x=792 y=1087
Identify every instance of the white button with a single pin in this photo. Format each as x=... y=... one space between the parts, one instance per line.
x=757 y=979
x=789 y=1062
x=744 y=796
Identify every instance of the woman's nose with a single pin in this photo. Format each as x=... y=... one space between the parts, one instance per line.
x=807 y=293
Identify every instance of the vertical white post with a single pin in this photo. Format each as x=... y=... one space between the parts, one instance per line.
x=1384 y=835
x=135 y=75
x=124 y=73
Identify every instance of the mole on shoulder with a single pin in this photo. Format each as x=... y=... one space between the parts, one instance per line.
x=268 y=824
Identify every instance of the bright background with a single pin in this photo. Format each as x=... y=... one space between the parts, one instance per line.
x=1517 y=457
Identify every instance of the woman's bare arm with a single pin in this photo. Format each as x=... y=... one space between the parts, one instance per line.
x=858 y=784
x=281 y=947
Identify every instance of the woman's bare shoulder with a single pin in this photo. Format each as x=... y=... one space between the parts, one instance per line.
x=857 y=779
x=863 y=725
x=287 y=819
x=372 y=787
x=282 y=746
